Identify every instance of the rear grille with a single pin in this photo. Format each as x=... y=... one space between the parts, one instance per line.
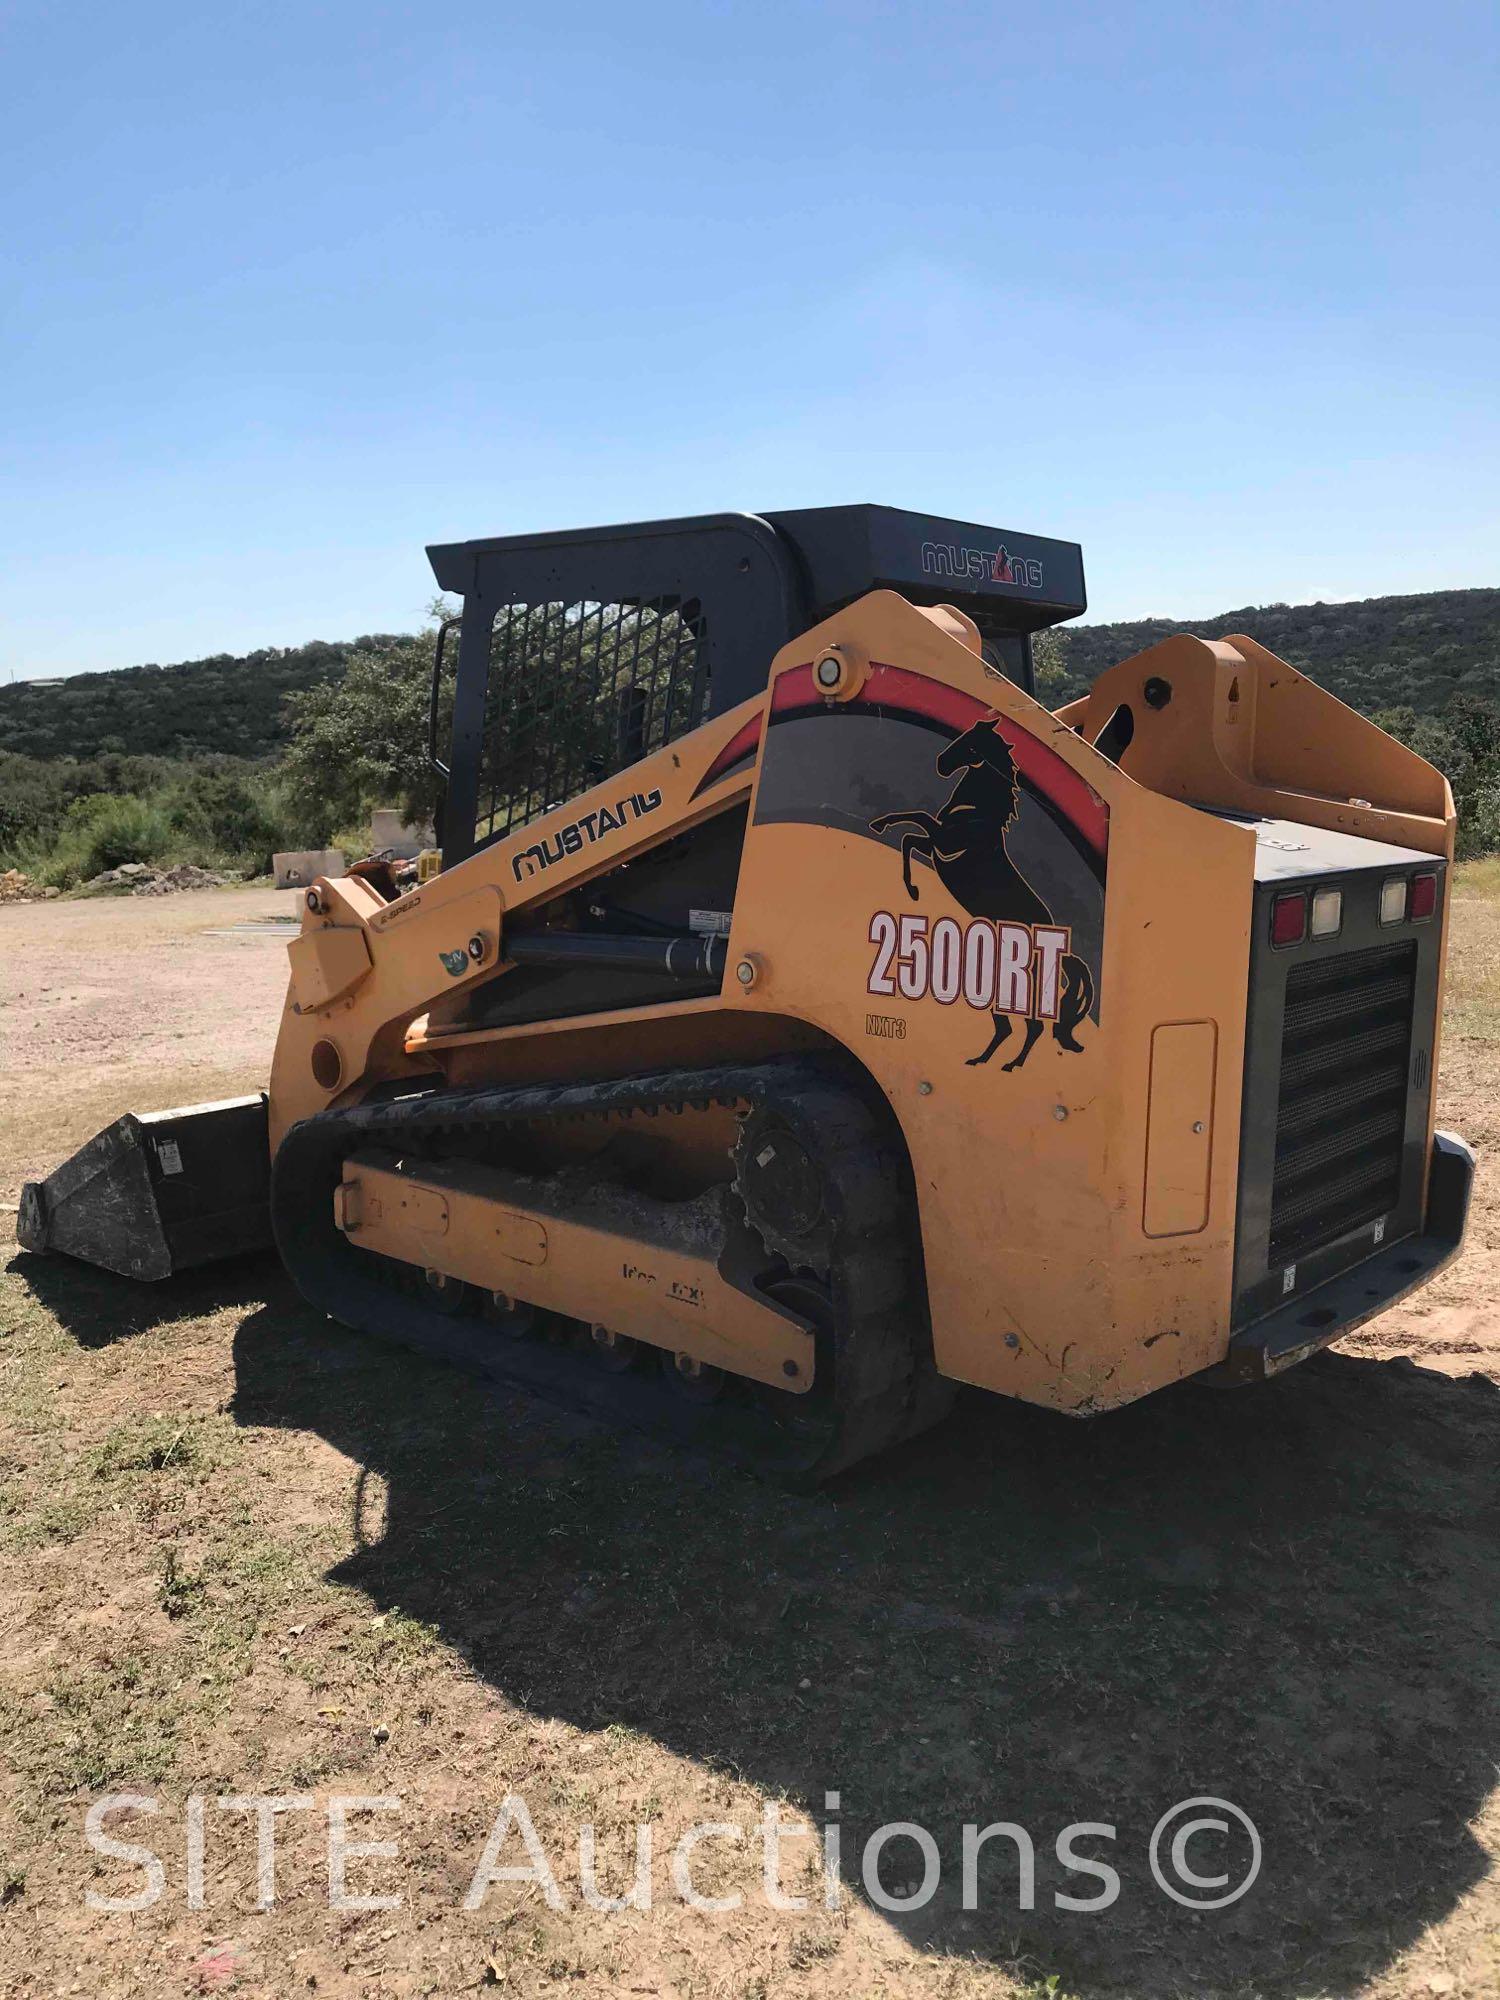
x=1341 y=1114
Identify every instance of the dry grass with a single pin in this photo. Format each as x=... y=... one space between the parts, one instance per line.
x=1474 y=952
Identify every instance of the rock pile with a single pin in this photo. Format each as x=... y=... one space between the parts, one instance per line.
x=18 y=888
x=187 y=875
x=141 y=879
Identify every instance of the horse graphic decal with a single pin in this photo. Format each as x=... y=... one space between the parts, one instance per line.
x=965 y=843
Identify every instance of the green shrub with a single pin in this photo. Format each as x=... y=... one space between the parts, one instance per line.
x=104 y=832
x=1479 y=822
x=1464 y=743
x=66 y=821
x=220 y=814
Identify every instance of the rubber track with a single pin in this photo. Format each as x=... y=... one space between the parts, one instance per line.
x=874 y=1378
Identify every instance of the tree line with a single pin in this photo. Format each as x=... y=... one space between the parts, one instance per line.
x=225 y=760
x=1377 y=653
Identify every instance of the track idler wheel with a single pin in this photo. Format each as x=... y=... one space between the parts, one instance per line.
x=782 y=1190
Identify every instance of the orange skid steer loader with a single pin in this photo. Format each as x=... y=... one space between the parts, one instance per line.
x=805 y=1019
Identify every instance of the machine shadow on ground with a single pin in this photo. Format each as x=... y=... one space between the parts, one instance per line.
x=1286 y=1598
x=97 y=1308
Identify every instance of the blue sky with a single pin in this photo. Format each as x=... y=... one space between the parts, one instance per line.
x=288 y=291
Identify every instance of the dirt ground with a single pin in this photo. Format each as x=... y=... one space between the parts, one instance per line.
x=241 y=1554
x=103 y=999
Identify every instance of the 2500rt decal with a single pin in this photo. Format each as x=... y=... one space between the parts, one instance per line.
x=1004 y=968
x=1011 y=956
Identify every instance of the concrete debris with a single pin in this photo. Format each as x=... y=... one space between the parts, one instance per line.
x=185 y=876
x=143 y=880
x=395 y=838
x=296 y=869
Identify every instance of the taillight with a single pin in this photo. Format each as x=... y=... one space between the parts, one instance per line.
x=1327 y=912
x=1393 y=900
x=1422 y=900
x=1289 y=918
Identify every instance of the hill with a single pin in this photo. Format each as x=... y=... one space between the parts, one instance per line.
x=226 y=705
x=1375 y=653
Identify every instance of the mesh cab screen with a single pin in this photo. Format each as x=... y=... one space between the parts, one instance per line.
x=577 y=692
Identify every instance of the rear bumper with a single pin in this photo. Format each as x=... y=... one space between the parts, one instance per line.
x=1292 y=1332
